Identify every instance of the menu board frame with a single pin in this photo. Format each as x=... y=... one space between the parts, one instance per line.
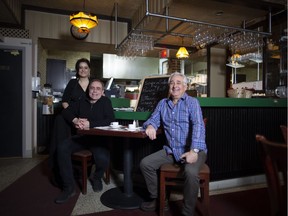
x=152 y=90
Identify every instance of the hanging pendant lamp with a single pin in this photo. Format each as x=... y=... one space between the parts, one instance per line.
x=182 y=52
x=84 y=21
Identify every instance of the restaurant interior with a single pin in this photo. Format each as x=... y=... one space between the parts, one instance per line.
x=234 y=54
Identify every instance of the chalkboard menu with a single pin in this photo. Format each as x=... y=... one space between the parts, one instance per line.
x=153 y=89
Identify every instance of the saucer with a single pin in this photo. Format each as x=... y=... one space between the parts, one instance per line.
x=115 y=126
x=133 y=129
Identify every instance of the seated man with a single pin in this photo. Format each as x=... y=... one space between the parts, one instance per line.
x=95 y=110
x=182 y=121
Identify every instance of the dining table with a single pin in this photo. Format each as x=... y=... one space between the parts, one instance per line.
x=121 y=197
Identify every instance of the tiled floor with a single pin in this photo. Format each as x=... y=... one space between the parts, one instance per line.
x=13 y=168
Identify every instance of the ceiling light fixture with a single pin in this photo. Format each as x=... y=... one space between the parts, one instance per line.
x=84 y=21
x=182 y=52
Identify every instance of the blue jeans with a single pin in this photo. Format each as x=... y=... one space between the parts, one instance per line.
x=96 y=145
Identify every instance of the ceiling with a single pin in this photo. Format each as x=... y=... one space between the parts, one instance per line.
x=232 y=13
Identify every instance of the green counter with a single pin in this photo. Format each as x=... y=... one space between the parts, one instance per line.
x=123 y=115
x=242 y=102
x=204 y=102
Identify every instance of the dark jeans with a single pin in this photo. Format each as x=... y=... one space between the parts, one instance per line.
x=62 y=130
x=97 y=145
x=150 y=164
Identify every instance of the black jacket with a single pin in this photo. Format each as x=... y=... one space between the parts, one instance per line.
x=73 y=92
x=98 y=114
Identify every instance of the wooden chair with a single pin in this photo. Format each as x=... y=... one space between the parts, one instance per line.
x=86 y=160
x=274 y=158
x=171 y=175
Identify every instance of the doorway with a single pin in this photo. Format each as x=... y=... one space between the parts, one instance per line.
x=11 y=95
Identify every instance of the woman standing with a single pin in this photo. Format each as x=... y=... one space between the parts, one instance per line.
x=74 y=91
x=76 y=88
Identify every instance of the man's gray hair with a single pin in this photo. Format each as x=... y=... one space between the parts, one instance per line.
x=185 y=80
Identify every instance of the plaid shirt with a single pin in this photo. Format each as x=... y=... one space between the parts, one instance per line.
x=182 y=123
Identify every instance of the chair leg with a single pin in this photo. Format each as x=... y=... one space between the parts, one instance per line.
x=204 y=198
x=84 y=175
x=107 y=176
x=162 y=194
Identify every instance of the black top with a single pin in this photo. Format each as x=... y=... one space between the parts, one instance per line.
x=73 y=92
x=98 y=114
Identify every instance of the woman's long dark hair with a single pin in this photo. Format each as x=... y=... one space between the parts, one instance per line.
x=77 y=65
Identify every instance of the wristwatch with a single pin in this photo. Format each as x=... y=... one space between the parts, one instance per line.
x=196 y=150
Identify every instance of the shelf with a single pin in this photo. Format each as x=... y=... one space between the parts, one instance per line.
x=256 y=60
x=235 y=66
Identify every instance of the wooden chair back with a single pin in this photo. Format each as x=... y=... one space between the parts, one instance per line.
x=274 y=158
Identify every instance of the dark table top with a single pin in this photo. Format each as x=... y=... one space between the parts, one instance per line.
x=118 y=132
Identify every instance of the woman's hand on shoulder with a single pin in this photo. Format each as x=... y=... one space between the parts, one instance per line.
x=65 y=105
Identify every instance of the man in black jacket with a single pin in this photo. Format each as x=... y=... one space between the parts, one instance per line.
x=95 y=110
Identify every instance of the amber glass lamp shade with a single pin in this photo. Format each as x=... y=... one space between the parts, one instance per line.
x=84 y=21
x=182 y=53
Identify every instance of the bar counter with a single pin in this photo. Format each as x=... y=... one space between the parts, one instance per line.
x=204 y=102
x=230 y=132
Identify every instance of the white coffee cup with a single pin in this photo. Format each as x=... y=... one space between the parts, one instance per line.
x=131 y=126
x=114 y=124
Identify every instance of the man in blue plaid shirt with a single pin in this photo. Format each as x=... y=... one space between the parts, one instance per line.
x=181 y=118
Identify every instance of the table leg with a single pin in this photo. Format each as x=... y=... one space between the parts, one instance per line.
x=123 y=199
x=127 y=169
